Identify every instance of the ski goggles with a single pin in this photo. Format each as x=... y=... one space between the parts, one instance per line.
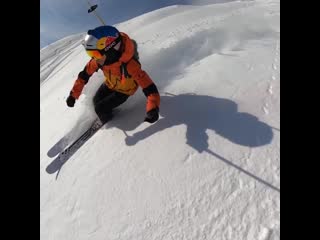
x=96 y=54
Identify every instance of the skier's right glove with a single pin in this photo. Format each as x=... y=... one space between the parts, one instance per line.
x=71 y=101
x=152 y=115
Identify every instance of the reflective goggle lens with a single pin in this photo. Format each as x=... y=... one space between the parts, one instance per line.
x=94 y=54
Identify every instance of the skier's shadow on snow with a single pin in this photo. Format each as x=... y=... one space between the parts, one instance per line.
x=201 y=113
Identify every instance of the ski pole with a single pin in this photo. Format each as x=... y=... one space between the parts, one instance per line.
x=93 y=9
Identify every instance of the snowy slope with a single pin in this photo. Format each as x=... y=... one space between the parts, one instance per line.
x=208 y=169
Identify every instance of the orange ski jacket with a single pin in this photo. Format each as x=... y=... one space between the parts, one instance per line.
x=113 y=73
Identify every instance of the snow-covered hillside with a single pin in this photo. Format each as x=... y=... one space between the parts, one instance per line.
x=208 y=169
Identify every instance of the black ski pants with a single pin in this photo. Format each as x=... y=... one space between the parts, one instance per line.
x=105 y=100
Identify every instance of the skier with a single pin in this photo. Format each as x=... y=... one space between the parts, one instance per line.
x=116 y=55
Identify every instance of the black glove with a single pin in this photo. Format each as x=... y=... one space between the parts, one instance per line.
x=70 y=101
x=152 y=115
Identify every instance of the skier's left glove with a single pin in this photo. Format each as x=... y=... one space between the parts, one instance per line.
x=71 y=101
x=152 y=115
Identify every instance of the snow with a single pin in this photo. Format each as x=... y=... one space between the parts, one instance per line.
x=208 y=169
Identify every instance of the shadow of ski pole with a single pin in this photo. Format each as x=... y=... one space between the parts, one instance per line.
x=244 y=171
